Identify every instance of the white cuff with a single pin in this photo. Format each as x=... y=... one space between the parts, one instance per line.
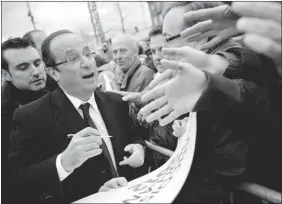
x=61 y=171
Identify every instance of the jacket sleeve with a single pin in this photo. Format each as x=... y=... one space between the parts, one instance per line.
x=243 y=100
x=35 y=179
x=145 y=79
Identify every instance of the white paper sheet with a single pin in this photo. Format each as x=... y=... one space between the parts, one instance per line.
x=161 y=185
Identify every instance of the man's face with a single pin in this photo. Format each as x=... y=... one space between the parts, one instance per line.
x=156 y=45
x=124 y=54
x=79 y=75
x=26 y=69
x=38 y=37
x=172 y=27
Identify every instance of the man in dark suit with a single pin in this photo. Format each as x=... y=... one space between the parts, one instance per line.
x=49 y=166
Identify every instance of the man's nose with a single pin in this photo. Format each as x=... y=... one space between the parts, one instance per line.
x=85 y=62
x=158 y=55
x=118 y=55
x=35 y=71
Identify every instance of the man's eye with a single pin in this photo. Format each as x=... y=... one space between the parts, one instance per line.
x=153 y=51
x=123 y=51
x=37 y=63
x=23 y=67
x=73 y=58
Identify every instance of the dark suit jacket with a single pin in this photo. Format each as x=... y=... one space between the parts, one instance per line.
x=40 y=134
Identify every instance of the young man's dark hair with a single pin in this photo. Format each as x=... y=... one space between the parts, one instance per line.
x=13 y=43
x=156 y=31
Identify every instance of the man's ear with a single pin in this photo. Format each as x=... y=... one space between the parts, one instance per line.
x=55 y=74
x=6 y=75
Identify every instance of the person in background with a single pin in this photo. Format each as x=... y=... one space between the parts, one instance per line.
x=25 y=81
x=37 y=37
x=131 y=75
x=157 y=42
x=222 y=139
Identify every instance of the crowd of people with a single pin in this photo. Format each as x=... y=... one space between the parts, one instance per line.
x=75 y=120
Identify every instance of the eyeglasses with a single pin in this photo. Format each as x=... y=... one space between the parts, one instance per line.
x=73 y=58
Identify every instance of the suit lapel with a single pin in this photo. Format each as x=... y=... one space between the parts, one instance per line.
x=66 y=112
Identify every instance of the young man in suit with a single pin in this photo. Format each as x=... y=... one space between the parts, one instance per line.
x=49 y=166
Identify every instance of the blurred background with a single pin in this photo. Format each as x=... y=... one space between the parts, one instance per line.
x=96 y=22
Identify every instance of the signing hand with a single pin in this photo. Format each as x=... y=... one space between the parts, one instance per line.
x=176 y=96
x=84 y=145
x=137 y=156
x=218 y=21
x=113 y=184
x=261 y=22
x=213 y=64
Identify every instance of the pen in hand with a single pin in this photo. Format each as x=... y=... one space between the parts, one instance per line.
x=102 y=136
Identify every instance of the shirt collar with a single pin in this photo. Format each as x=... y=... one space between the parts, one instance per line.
x=77 y=102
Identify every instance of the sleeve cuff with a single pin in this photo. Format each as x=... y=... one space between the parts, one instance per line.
x=61 y=171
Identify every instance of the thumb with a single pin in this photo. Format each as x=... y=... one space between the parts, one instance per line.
x=104 y=189
x=129 y=148
x=121 y=181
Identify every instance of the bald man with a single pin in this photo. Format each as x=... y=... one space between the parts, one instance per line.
x=131 y=75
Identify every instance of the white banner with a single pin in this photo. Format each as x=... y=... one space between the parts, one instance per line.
x=161 y=185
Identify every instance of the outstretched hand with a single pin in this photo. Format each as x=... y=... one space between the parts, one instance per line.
x=176 y=96
x=218 y=21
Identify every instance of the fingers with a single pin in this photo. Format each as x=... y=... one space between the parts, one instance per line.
x=115 y=183
x=93 y=153
x=177 y=124
x=129 y=148
x=154 y=93
x=91 y=146
x=156 y=104
x=131 y=96
x=111 y=184
x=178 y=54
x=201 y=36
x=177 y=65
x=87 y=132
x=123 y=93
x=261 y=27
x=88 y=140
x=176 y=128
x=197 y=28
x=104 y=189
x=265 y=46
x=220 y=37
x=159 y=113
x=126 y=161
x=268 y=10
x=168 y=119
x=164 y=76
x=121 y=181
x=206 y=14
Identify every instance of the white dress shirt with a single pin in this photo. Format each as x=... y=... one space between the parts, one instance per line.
x=98 y=120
